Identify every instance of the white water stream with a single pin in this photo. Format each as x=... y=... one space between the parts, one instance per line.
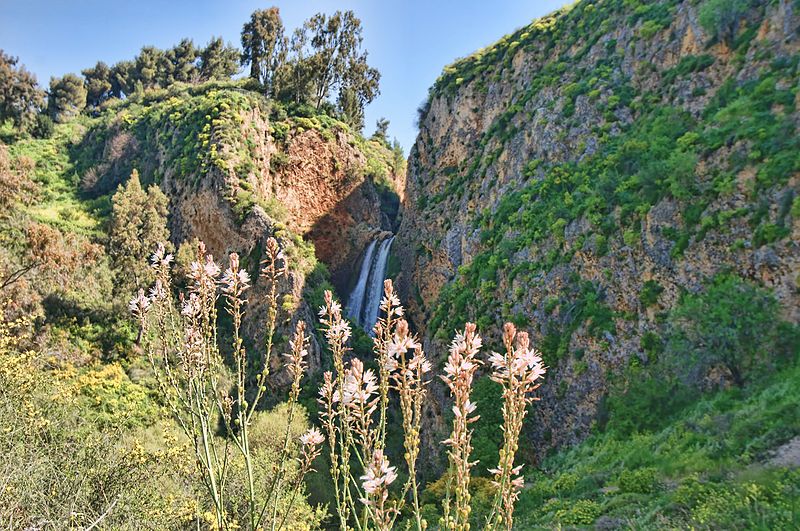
x=364 y=302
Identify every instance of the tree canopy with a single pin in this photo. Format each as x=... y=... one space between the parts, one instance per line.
x=218 y=60
x=733 y=324
x=138 y=223
x=179 y=64
x=322 y=65
x=98 y=84
x=381 y=130
x=20 y=96
x=264 y=46
x=66 y=97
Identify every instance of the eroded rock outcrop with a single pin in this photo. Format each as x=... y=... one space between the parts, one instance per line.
x=237 y=169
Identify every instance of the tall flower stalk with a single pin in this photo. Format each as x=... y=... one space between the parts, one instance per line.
x=376 y=480
x=408 y=376
x=518 y=371
x=460 y=369
x=296 y=366
x=184 y=353
x=333 y=414
x=354 y=407
x=355 y=400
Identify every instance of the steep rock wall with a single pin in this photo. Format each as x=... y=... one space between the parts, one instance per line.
x=559 y=105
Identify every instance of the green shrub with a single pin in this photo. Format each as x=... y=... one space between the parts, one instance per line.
x=44 y=127
x=642 y=400
x=631 y=237
x=688 y=65
x=732 y=324
x=649 y=29
x=639 y=480
x=721 y=17
x=580 y=512
x=566 y=483
x=651 y=289
x=767 y=233
x=278 y=161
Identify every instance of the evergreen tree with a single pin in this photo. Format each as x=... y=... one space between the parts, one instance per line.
x=66 y=98
x=327 y=63
x=147 y=66
x=178 y=64
x=218 y=60
x=123 y=78
x=398 y=157
x=381 y=130
x=264 y=46
x=294 y=76
x=98 y=84
x=21 y=99
x=734 y=324
x=138 y=223
x=183 y=61
x=359 y=86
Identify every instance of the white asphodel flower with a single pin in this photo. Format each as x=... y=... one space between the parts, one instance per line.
x=312 y=437
x=139 y=304
x=378 y=473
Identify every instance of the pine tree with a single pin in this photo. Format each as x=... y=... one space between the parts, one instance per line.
x=123 y=78
x=66 y=98
x=147 y=66
x=183 y=62
x=218 y=60
x=20 y=96
x=138 y=223
x=381 y=130
x=98 y=84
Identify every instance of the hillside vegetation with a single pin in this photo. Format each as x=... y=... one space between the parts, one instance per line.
x=609 y=197
x=621 y=177
x=96 y=431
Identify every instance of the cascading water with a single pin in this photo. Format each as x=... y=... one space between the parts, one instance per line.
x=355 y=302
x=372 y=298
x=364 y=302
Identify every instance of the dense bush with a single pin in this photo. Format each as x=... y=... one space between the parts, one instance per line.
x=71 y=454
x=721 y=17
x=732 y=325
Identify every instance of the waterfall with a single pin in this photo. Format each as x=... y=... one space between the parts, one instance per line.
x=364 y=302
x=355 y=302
x=372 y=298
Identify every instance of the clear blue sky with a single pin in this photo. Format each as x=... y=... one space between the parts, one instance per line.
x=408 y=41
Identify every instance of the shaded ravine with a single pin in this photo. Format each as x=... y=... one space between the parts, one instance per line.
x=363 y=304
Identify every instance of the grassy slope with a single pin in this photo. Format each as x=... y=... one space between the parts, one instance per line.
x=706 y=468
x=59 y=203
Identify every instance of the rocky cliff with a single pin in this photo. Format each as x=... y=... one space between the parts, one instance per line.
x=582 y=173
x=237 y=169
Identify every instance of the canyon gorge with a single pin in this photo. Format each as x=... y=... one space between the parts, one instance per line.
x=620 y=179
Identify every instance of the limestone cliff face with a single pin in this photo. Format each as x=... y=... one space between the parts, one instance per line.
x=557 y=96
x=237 y=170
